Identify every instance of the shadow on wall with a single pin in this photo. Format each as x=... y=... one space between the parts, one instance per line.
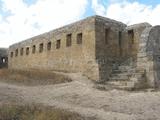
x=3 y=58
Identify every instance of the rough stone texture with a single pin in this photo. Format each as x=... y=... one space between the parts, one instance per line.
x=137 y=29
x=149 y=55
x=3 y=58
x=76 y=58
x=107 y=46
x=107 y=53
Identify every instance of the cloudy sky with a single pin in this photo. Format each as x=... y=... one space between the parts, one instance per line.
x=22 y=19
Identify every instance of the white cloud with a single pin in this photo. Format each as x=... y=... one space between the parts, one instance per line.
x=99 y=9
x=131 y=13
x=26 y=21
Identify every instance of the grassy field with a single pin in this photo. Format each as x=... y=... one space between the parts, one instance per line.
x=34 y=77
x=35 y=112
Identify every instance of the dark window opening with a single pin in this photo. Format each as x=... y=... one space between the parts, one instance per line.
x=58 y=44
x=131 y=36
x=27 y=51
x=33 y=49
x=16 y=53
x=49 y=46
x=120 y=38
x=79 y=38
x=3 y=60
x=158 y=59
x=120 y=41
x=21 y=51
x=11 y=54
x=106 y=36
x=69 y=40
x=41 y=48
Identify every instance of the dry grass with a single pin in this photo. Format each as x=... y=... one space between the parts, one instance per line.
x=34 y=77
x=36 y=112
x=15 y=110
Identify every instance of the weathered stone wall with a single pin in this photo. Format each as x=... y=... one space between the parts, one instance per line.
x=3 y=58
x=119 y=44
x=133 y=44
x=74 y=58
x=108 y=44
x=149 y=55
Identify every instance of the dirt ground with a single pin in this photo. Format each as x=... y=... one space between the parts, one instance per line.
x=81 y=96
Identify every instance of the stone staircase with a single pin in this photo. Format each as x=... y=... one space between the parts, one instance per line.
x=120 y=77
x=126 y=77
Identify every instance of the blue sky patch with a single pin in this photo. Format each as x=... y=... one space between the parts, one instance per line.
x=30 y=2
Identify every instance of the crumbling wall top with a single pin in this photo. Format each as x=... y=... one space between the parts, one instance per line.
x=139 y=25
x=108 y=20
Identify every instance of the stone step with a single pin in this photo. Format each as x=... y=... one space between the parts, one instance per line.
x=118 y=78
x=117 y=71
x=123 y=85
x=123 y=71
x=121 y=74
x=129 y=88
x=125 y=67
x=111 y=86
x=129 y=68
x=140 y=70
x=117 y=83
x=125 y=76
x=137 y=75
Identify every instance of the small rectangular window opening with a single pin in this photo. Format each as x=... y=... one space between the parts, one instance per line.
x=69 y=40
x=58 y=44
x=120 y=38
x=41 y=48
x=27 y=51
x=3 y=60
x=120 y=41
x=21 y=51
x=16 y=53
x=79 y=38
x=106 y=36
x=131 y=35
x=11 y=54
x=49 y=46
x=33 y=49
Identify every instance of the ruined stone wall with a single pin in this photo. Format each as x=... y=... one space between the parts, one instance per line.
x=63 y=56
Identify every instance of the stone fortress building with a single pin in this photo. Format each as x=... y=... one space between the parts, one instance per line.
x=101 y=48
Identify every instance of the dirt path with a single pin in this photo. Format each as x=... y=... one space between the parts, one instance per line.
x=80 y=96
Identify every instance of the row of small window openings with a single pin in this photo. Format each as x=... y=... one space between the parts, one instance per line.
x=58 y=45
